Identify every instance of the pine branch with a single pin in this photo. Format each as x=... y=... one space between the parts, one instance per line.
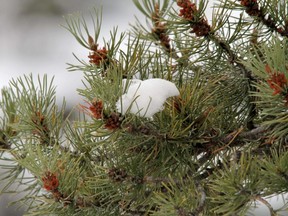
x=217 y=142
x=201 y=28
x=253 y=9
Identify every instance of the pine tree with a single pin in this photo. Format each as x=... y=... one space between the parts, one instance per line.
x=181 y=116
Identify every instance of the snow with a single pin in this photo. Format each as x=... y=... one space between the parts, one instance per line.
x=145 y=98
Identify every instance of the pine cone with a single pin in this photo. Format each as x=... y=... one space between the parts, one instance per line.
x=117 y=174
x=113 y=122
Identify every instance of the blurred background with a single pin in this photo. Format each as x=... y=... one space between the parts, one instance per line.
x=33 y=41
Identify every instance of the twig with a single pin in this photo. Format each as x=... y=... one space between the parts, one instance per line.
x=253 y=134
x=200 y=207
x=202 y=201
x=267 y=204
x=231 y=137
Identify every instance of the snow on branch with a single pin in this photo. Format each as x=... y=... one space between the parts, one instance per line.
x=145 y=98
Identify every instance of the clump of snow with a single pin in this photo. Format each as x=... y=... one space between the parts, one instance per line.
x=145 y=98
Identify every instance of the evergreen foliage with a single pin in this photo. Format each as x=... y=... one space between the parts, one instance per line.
x=216 y=149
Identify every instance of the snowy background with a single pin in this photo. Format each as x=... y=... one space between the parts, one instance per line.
x=33 y=41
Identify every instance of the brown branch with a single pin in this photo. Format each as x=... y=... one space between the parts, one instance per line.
x=234 y=60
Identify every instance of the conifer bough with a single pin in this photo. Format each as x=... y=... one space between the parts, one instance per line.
x=215 y=144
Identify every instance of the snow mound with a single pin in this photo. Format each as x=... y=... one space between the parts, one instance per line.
x=145 y=98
